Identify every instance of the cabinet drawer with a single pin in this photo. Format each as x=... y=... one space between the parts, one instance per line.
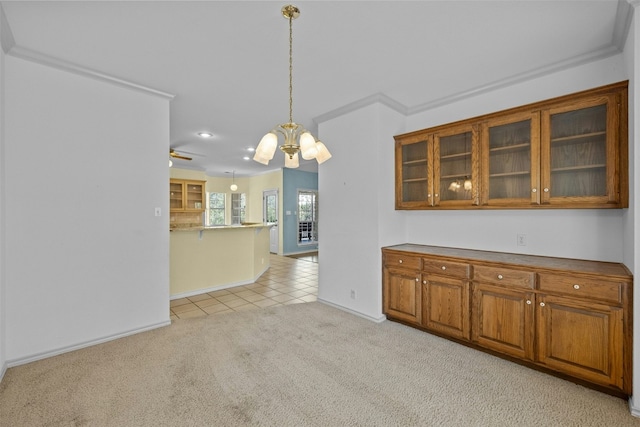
x=503 y=276
x=402 y=260
x=445 y=268
x=581 y=287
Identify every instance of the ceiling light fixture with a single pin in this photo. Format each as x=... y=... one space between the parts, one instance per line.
x=205 y=134
x=233 y=186
x=308 y=147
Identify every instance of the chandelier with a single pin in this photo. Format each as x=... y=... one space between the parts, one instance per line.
x=292 y=132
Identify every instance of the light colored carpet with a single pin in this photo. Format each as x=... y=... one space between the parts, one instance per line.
x=297 y=365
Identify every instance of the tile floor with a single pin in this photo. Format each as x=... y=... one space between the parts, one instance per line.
x=287 y=281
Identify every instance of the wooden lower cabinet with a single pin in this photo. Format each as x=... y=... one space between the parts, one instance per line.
x=402 y=295
x=445 y=305
x=583 y=339
x=565 y=316
x=502 y=320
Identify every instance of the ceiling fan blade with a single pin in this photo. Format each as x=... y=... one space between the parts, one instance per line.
x=178 y=156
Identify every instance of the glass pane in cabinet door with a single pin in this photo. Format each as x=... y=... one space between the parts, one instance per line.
x=455 y=167
x=510 y=161
x=414 y=172
x=175 y=195
x=194 y=196
x=579 y=153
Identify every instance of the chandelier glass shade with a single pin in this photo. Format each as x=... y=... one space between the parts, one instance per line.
x=297 y=140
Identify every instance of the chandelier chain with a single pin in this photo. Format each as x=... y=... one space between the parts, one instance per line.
x=290 y=69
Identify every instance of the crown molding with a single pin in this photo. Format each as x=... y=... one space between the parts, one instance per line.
x=50 y=61
x=518 y=78
x=378 y=98
x=624 y=16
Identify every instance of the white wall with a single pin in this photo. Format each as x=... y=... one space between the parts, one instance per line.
x=358 y=195
x=3 y=347
x=587 y=233
x=632 y=217
x=357 y=207
x=86 y=164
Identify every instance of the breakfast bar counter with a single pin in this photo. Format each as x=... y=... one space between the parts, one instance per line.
x=205 y=259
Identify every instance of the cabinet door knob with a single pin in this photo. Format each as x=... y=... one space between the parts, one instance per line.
x=436 y=194
x=400 y=261
x=528 y=302
x=534 y=190
x=546 y=190
x=576 y=286
x=429 y=195
x=417 y=279
x=542 y=304
x=424 y=282
x=500 y=277
x=444 y=267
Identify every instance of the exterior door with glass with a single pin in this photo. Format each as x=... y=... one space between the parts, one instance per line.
x=270 y=216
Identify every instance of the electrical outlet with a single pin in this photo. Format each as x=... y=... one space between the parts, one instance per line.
x=522 y=239
x=353 y=294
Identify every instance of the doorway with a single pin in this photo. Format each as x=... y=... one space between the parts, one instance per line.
x=270 y=216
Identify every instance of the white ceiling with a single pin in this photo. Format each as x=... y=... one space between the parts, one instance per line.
x=226 y=62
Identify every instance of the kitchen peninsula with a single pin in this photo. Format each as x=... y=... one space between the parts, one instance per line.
x=204 y=259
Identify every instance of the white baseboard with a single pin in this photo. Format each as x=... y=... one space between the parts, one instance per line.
x=218 y=287
x=3 y=369
x=355 y=313
x=61 y=350
x=635 y=411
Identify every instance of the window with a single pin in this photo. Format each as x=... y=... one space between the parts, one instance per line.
x=216 y=209
x=238 y=207
x=307 y=217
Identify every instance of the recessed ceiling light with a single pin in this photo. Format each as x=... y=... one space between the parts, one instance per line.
x=205 y=134
x=246 y=158
x=251 y=149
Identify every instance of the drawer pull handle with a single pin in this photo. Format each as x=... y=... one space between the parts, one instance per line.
x=400 y=261
x=444 y=268
x=500 y=277
x=541 y=304
x=528 y=302
x=576 y=286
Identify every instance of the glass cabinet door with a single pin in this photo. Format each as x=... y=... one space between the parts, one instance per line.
x=175 y=195
x=195 y=196
x=412 y=174
x=511 y=160
x=577 y=160
x=455 y=167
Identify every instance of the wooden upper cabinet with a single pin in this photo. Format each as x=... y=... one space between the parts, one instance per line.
x=455 y=170
x=511 y=146
x=582 y=158
x=439 y=168
x=567 y=152
x=413 y=183
x=186 y=195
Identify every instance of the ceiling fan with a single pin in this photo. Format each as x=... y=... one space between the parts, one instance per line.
x=175 y=155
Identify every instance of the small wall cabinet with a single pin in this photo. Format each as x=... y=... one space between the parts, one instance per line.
x=565 y=316
x=186 y=195
x=567 y=152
